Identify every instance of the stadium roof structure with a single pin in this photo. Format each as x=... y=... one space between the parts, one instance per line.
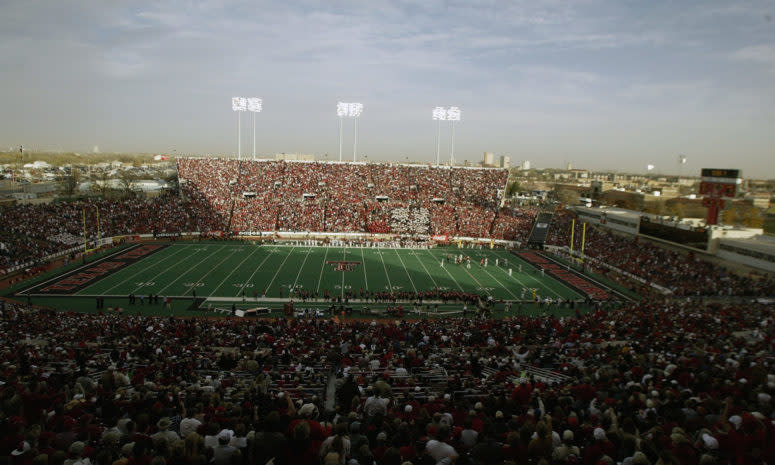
x=620 y=212
x=759 y=243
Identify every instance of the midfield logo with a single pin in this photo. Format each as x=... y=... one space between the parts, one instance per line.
x=343 y=266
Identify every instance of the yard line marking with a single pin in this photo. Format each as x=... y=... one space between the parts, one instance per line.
x=500 y=283
x=107 y=291
x=344 y=258
x=477 y=281
x=322 y=267
x=390 y=285
x=417 y=256
x=232 y=272
x=211 y=270
x=364 y=269
x=153 y=278
x=540 y=284
x=299 y=273
x=445 y=269
x=182 y=274
x=268 y=254
x=407 y=271
x=280 y=268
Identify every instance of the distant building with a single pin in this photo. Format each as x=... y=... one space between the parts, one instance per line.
x=577 y=173
x=526 y=165
x=37 y=165
x=505 y=161
x=489 y=159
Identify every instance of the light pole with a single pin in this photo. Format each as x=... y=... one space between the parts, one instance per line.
x=254 y=106
x=450 y=114
x=439 y=114
x=349 y=110
x=355 y=138
x=340 y=136
x=453 y=114
x=239 y=104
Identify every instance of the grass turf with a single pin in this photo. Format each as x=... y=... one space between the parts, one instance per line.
x=222 y=271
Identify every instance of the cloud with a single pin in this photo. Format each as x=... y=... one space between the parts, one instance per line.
x=173 y=64
x=761 y=54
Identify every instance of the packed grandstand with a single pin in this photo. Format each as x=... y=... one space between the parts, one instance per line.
x=678 y=378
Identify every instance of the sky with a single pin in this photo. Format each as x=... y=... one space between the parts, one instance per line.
x=604 y=85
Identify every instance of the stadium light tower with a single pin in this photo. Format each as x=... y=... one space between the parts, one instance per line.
x=349 y=110
x=239 y=104
x=254 y=105
x=453 y=114
x=681 y=163
x=439 y=114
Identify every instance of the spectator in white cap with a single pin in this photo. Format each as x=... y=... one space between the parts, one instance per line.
x=164 y=432
x=223 y=451
x=191 y=421
x=309 y=411
x=21 y=449
x=709 y=442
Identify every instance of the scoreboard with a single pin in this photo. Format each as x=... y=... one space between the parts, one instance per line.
x=720 y=173
x=719 y=182
x=715 y=184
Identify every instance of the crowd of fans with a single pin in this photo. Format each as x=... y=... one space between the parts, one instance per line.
x=684 y=274
x=348 y=197
x=30 y=232
x=653 y=383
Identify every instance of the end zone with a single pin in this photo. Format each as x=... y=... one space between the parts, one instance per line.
x=80 y=278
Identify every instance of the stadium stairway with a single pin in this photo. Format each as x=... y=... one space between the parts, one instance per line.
x=540 y=230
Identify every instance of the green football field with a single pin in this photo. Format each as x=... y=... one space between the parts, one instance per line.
x=223 y=271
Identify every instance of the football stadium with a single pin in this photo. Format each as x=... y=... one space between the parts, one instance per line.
x=297 y=311
x=468 y=233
